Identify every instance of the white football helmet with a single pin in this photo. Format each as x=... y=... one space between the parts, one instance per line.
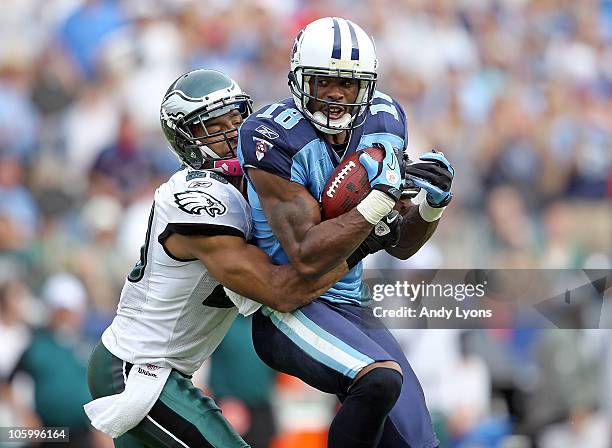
x=333 y=47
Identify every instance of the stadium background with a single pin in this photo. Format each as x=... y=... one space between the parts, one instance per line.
x=517 y=93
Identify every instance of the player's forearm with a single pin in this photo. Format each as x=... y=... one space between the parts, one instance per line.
x=282 y=287
x=327 y=244
x=415 y=233
x=248 y=271
x=313 y=247
x=290 y=290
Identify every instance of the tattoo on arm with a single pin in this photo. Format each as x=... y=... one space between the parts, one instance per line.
x=313 y=247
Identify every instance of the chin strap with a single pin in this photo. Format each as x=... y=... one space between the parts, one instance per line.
x=320 y=121
x=228 y=167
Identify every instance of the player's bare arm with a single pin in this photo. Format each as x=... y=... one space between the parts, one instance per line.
x=313 y=247
x=248 y=271
x=415 y=231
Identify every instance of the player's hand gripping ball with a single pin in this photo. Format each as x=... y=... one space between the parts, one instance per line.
x=350 y=181
x=348 y=184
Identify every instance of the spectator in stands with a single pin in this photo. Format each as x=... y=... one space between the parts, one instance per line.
x=55 y=361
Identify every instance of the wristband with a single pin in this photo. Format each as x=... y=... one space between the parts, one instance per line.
x=429 y=213
x=375 y=206
x=359 y=254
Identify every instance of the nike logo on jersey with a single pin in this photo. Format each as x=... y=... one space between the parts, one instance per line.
x=197 y=202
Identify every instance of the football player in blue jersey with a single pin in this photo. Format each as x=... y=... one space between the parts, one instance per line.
x=288 y=151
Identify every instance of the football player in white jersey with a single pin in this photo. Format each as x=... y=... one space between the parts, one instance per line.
x=174 y=310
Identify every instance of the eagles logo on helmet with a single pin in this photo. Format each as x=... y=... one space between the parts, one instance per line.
x=192 y=100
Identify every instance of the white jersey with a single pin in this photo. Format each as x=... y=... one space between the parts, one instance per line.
x=172 y=312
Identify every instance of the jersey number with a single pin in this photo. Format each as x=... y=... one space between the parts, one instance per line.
x=137 y=272
x=389 y=108
x=287 y=118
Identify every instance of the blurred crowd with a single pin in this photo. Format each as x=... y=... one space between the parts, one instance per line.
x=517 y=93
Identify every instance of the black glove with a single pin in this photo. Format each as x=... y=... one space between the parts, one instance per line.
x=408 y=189
x=434 y=173
x=384 y=235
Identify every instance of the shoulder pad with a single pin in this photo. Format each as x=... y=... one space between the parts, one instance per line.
x=281 y=124
x=271 y=137
x=201 y=197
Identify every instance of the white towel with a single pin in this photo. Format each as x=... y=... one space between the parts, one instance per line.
x=245 y=306
x=117 y=414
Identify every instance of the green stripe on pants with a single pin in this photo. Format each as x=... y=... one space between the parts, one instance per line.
x=182 y=416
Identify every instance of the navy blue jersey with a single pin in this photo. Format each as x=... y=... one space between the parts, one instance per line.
x=280 y=140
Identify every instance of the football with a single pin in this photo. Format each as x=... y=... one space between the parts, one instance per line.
x=347 y=185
